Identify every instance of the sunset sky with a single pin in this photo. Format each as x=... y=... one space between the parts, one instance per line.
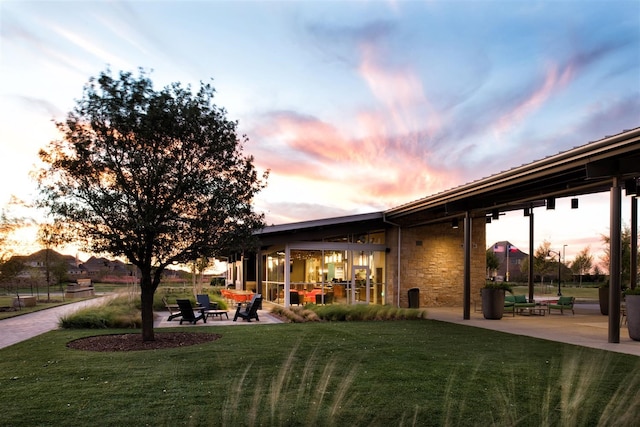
x=354 y=106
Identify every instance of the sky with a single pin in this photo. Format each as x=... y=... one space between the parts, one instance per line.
x=353 y=106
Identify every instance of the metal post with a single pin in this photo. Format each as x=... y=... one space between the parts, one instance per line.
x=615 y=255
x=559 y=273
x=531 y=256
x=634 y=243
x=466 y=315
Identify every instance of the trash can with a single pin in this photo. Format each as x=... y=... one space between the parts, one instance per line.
x=414 y=298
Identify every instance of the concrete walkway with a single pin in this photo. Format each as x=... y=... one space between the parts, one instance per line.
x=25 y=326
x=586 y=328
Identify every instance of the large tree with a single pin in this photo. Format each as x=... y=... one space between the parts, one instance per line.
x=156 y=176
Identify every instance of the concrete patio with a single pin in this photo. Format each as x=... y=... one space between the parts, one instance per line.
x=586 y=328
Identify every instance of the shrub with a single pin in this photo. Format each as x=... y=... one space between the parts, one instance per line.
x=117 y=312
x=295 y=315
x=340 y=312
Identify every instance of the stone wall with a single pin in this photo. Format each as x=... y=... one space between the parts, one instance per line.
x=432 y=260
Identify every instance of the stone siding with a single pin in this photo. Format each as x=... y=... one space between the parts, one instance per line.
x=432 y=260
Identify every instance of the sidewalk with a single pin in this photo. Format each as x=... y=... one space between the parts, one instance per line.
x=587 y=328
x=23 y=327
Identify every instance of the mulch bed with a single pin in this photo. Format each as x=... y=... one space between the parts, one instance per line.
x=133 y=342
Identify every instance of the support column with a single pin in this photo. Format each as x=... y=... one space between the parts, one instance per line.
x=467 y=267
x=615 y=255
x=530 y=275
x=634 y=242
x=287 y=277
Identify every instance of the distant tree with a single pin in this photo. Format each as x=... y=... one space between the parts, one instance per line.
x=582 y=263
x=50 y=235
x=625 y=259
x=156 y=176
x=8 y=224
x=9 y=271
x=10 y=267
x=492 y=262
x=542 y=264
x=597 y=273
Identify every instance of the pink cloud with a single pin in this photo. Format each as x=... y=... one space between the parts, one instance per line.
x=400 y=91
x=554 y=80
x=382 y=170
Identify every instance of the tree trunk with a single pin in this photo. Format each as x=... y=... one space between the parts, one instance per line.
x=146 y=298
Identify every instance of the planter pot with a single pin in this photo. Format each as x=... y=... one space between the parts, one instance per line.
x=633 y=316
x=492 y=303
x=603 y=298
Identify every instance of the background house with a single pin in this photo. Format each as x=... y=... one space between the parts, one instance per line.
x=511 y=259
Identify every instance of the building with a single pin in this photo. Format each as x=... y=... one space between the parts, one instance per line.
x=511 y=260
x=435 y=246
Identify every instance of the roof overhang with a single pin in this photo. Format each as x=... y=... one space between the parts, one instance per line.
x=587 y=169
x=321 y=228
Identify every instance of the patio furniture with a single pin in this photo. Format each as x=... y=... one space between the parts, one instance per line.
x=251 y=310
x=563 y=303
x=174 y=310
x=509 y=305
x=327 y=298
x=294 y=298
x=187 y=312
x=517 y=304
x=210 y=308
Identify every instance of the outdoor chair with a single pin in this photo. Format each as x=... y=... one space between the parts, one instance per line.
x=294 y=298
x=188 y=314
x=210 y=308
x=251 y=311
x=564 y=303
x=174 y=310
x=204 y=301
x=515 y=303
x=327 y=298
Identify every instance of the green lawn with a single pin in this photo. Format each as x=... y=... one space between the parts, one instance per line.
x=387 y=373
x=546 y=290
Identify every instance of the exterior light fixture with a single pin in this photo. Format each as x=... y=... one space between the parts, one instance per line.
x=488 y=219
x=495 y=214
x=551 y=203
x=631 y=186
x=527 y=211
x=454 y=223
x=574 y=203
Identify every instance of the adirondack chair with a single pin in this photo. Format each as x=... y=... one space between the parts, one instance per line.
x=174 y=310
x=187 y=312
x=210 y=308
x=251 y=311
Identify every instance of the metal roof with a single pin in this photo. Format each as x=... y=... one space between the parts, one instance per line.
x=321 y=228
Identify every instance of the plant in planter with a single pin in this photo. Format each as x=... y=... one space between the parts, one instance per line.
x=603 y=298
x=493 y=299
x=632 y=301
